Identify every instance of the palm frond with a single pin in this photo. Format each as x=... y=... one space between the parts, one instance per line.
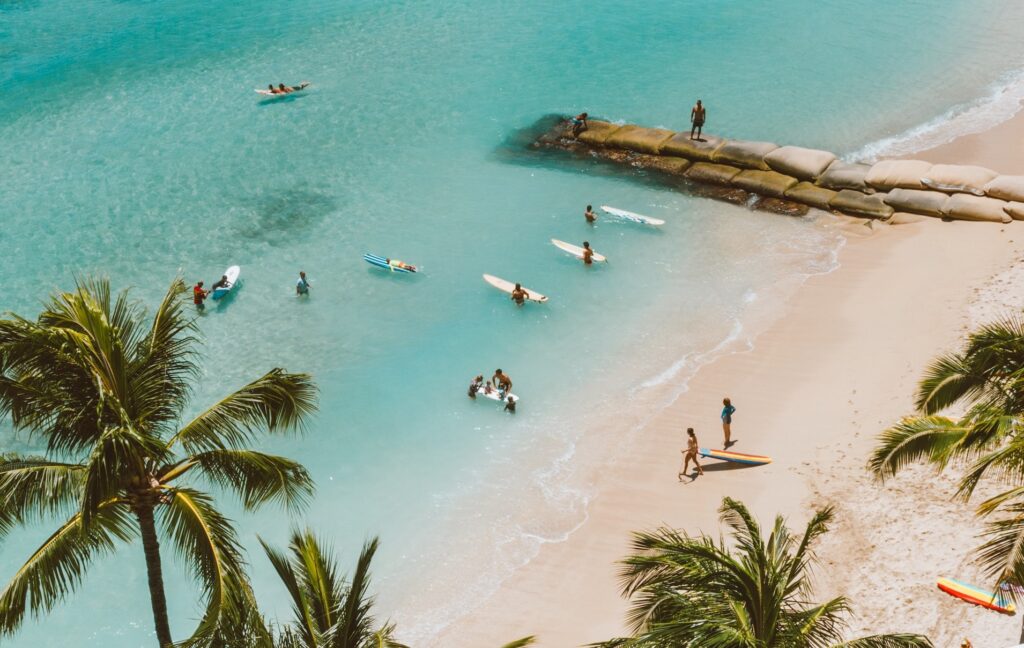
x=276 y=402
x=933 y=438
x=32 y=488
x=354 y=621
x=521 y=643
x=120 y=454
x=1002 y=554
x=889 y=641
x=57 y=567
x=256 y=477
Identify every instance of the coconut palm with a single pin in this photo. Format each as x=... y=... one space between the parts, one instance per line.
x=693 y=592
x=105 y=390
x=986 y=380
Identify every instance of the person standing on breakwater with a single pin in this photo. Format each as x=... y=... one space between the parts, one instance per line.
x=692 y=449
x=302 y=286
x=590 y=215
x=697 y=115
x=579 y=124
x=727 y=411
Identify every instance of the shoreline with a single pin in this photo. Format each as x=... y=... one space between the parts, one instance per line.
x=888 y=296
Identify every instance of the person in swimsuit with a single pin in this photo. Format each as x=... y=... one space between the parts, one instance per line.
x=727 y=411
x=510 y=405
x=520 y=295
x=588 y=254
x=502 y=381
x=302 y=286
x=199 y=296
x=590 y=215
x=579 y=124
x=221 y=283
x=697 y=114
x=475 y=386
x=272 y=89
x=692 y=449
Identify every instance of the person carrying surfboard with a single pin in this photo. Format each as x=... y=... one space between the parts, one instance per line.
x=502 y=381
x=692 y=448
x=302 y=286
x=520 y=295
x=590 y=215
x=727 y=411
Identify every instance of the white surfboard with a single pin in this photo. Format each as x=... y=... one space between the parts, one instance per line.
x=232 y=275
x=495 y=395
x=268 y=93
x=631 y=216
x=576 y=250
x=508 y=286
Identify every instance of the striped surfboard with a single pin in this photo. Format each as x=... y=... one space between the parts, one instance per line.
x=736 y=457
x=976 y=595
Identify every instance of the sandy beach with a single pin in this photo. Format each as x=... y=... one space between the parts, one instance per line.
x=813 y=392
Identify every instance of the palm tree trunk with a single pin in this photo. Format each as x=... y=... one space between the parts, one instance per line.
x=151 y=546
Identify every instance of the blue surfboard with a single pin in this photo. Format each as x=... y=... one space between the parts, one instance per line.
x=382 y=262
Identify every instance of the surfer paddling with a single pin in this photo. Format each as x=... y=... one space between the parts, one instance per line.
x=692 y=448
x=519 y=295
x=590 y=215
x=727 y=411
x=283 y=89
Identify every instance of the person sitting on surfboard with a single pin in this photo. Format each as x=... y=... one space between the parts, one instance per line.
x=579 y=124
x=502 y=381
x=588 y=254
x=302 y=286
x=520 y=295
x=692 y=448
x=221 y=283
x=475 y=386
x=590 y=215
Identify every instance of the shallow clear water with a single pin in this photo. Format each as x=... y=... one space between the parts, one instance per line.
x=136 y=148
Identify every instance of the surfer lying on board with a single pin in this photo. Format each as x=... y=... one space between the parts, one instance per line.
x=502 y=381
x=475 y=386
x=283 y=89
x=519 y=295
x=692 y=447
x=579 y=124
x=590 y=215
x=588 y=254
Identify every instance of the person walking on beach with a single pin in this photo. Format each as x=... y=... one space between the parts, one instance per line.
x=727 y=411
x=302 y=286
x=697 y=114
x=502 y=381
x=579 y=124
x=590 y=215
x=692 y=449
x=199 y=296
x=520 y=295
x=588 y=254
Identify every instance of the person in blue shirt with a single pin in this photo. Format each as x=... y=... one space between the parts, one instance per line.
x=302 y=285
x=727 y=412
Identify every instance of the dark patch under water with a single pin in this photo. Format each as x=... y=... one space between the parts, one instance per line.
x=291 y=212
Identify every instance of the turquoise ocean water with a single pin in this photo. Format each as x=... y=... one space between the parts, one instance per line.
x=135 y=147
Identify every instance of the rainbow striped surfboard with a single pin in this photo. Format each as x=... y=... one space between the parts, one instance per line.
x=976 y=595
x=736 y=457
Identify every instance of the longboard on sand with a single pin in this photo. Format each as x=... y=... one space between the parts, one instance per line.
x=736 y=457
x=508 y=286
x=631 y=216
x=576 y=250
x=976 y=595
x=394 y=265
x=232 y=275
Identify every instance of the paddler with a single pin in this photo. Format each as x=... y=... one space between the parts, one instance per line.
x=302 y=286
x=519 y=295
x=588 y=254
x=590 y=215
x=502 y=381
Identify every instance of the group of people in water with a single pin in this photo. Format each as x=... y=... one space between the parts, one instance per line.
x=283 y=89
x=499 y=384
x=200 y=293
x=692 y=450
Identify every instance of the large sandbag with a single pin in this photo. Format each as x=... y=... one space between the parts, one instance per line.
x=663 y=163
x=954 y=178
x=597 y=132
x=1006 y=187
x=1015 y=210
x=929 y=203
x=976 y=208
x=749 y=155
x=639 y=139
x=765 y=183
x=803 y=163
x=843 y=175
x=682 y=146
x=903 y=174
x=859 y=204
x=712 y=173
x=905 y=218
x=811 y=194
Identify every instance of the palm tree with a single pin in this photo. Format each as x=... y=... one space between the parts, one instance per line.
x=986 y=379
x=106 y=391
x=691 y=592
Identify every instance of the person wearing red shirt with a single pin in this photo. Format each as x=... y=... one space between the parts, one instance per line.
x=199 y=296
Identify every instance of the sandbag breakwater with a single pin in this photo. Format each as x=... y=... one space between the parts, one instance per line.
x=791 y=179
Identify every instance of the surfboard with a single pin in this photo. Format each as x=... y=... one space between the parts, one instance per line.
x=508 y=286
x=267 y=93
x=631 y=216
x=495 y=396
x=736 y=457
x=232 y=275
x=976 y=595
x=576 y=251
x=393 y=265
